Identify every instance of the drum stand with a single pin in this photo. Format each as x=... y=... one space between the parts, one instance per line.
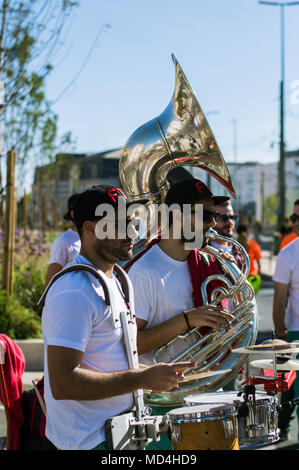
x=274 y=380
x=243 y=410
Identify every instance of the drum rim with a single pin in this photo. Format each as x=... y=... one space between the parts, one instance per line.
x=223 y=411
x=259 y=400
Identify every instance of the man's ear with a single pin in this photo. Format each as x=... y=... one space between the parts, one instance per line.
x=88 y=228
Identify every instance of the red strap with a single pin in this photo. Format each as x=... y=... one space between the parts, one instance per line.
x=201 y=267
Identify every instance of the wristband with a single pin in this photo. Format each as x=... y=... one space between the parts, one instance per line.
x=283 y=337
x=187 y=321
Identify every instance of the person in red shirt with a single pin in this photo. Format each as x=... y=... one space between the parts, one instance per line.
x=294 y=219
x=255 y=254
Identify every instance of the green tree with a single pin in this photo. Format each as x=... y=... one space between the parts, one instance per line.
x=31 y=32
x=270 y=211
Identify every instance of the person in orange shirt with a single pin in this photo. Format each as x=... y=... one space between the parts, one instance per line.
x=294 y=219
x=255 y=254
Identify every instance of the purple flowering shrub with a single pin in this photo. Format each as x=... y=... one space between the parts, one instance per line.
x=19 y=314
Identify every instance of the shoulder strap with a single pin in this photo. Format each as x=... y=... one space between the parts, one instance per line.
x=76 y=267
x=123 y=278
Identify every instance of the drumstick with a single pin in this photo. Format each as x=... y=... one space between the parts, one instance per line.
x=202 y=375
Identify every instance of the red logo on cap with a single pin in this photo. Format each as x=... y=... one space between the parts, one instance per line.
x=201 y=187
x=113 y=193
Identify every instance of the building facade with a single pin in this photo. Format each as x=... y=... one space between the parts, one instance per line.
x=256 y=183
x=69 y=174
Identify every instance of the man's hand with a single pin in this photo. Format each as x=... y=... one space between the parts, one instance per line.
x=214 y=316
x=162 y=377
x=227 y=256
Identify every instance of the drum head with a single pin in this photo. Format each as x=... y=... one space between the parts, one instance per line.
x=199 y=412
x=233 y=397
x=216 y=397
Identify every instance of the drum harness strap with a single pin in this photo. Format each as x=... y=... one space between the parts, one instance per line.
x=126 y=320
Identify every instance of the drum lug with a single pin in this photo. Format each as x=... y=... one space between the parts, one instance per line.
x=176 y=433
x=228 y=427
x=255 y=427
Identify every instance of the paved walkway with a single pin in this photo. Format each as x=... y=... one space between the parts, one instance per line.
x=268 y=263
x=29 y=376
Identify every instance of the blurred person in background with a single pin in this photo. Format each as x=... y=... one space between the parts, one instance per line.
x=286 y=316
x=225 y=226
x=294 y=220
x=255 y=254
x=66 y=246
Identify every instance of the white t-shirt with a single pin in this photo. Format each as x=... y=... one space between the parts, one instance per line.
x=75 y=316
x=287 y=272
x=226 y=248
x=65 y=248
x=162 y=289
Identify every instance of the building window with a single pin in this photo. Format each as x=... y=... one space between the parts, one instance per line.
x=249 y=195
x=249 y=178
x=108 y=168
x=86 y=171
x=64 y=172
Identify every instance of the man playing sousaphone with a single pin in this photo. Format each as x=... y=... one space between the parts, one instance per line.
x=167 y=278
x=168 y=274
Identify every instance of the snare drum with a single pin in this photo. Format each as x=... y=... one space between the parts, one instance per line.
x=204 y=427
x=259 y=427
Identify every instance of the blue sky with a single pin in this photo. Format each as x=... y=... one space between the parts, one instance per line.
x=228 y=49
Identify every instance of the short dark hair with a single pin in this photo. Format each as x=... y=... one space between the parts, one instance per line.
x=242 y=228
x=70 y=206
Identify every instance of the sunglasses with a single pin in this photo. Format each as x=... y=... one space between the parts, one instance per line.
x=294 y=218
x=225 y=218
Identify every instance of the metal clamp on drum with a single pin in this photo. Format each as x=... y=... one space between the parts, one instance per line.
x=125 y=432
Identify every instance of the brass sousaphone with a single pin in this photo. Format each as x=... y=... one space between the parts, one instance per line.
x=180 y=137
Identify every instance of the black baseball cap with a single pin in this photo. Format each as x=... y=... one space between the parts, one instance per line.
x=70 y=205
x=191 y=191
x=88 y=201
